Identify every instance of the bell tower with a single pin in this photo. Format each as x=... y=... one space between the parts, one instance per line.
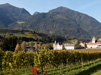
x=93 y=40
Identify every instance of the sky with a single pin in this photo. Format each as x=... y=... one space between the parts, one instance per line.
x=89 y=7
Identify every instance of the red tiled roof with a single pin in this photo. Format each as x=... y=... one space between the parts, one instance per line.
x=98 y=42
x=90 y=43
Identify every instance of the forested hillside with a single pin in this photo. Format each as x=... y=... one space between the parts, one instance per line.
x=9 y=38
x=61 y=21
x=10 y=14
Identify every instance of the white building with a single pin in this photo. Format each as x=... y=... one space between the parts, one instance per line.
x=69 y=46
x=57 y=46
x=82 y=44
x=99 y=43
x=60 y=46
x=91 y=45
x=95 y=43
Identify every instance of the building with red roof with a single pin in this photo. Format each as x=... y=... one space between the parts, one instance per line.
x=95 y=43
x=91 y=45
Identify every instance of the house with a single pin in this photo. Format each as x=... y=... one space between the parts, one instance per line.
x=60 y=46
x=91 y=45
x=99 y=43
x=69 y=46
x=57 y=46
x=82 y=44
x=30 y=46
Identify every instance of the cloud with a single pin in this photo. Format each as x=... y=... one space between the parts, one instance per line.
x=89 y=5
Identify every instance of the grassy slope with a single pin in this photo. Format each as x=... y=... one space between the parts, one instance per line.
x=97 y=73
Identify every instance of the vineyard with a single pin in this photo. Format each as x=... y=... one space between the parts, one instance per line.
x=12 y=61
x=88 y=50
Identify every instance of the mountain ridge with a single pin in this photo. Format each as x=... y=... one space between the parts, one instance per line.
x=10 y=14
x=62 y=21
x=59 y=21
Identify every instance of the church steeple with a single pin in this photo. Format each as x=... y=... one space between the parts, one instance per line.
x=93 y=40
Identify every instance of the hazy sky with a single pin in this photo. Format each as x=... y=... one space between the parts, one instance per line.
x=90 y=7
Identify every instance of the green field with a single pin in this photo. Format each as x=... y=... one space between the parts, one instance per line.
x=97 y=73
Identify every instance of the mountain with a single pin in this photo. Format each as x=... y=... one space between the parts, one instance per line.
x=61 y=21
x=10 y=14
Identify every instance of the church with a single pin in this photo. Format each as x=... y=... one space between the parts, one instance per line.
x=95 y=43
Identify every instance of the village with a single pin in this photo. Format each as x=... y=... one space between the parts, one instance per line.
x=95 y=43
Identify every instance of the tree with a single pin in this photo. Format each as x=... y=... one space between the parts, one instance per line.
x=1 y=45
x=47 y=46
x=9 y=43
x=23 y=45
x=17 y=48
